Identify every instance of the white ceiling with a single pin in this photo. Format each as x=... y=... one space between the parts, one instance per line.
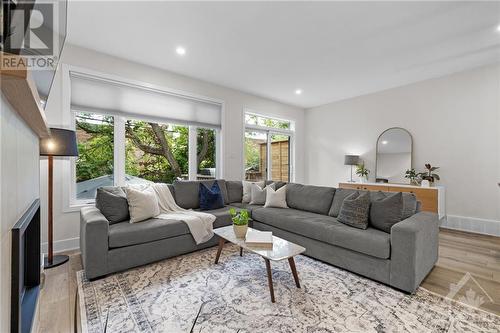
x=330 y=50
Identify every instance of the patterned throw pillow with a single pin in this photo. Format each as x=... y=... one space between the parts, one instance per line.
x=210 y=198
x=387 y=211
x=355 y=209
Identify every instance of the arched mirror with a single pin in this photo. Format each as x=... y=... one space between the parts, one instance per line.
x=394 y=155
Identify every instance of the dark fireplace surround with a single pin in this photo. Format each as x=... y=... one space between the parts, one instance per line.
x=25 y=273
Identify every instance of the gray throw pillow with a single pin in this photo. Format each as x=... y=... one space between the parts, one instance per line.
x=355 y=209
x=259 y=194
x=409 y=205
x=113 y=204
x=386 y=212
x=338 y=199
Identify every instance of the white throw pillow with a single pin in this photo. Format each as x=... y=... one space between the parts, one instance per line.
x=259 y=194
x=276 y=198
x=247 y=190
x=142 y=203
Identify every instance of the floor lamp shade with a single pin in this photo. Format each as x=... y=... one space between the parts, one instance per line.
x=62 y=142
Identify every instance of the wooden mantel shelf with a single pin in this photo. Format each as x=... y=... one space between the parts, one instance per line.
x=19 y=89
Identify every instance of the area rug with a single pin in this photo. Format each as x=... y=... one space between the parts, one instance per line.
x=190 y=293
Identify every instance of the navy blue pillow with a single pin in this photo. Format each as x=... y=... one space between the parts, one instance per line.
x=210 y=198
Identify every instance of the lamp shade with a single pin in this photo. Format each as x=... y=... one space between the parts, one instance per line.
x=351 y=160
x=62 y=142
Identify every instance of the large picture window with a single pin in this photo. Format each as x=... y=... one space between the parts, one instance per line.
x=268 y=145
x=155 y=136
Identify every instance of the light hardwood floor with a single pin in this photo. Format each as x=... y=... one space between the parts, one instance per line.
x=459 y=253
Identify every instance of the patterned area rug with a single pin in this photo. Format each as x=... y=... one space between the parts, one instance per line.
x=191 y=294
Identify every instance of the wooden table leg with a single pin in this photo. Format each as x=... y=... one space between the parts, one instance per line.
x=241 y=252
x=219 y=250
x=294 y=271
x=270 y=279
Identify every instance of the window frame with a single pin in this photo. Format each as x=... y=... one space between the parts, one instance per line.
x=70 y=202
x=269 y=131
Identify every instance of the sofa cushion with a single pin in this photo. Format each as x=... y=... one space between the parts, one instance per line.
x=355 y=210
x=234 y=191
x=210 y=198
x=338 y=199
x=315 y=199
x=113 y=204
x=386 y=211
x=327 y=229
x=126 y=234
x=186 y=192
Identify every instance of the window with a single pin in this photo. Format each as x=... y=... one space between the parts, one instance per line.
x=268 y=147
x=155 y=152
x=206 y=144
x=94 y=166
x=174 y=136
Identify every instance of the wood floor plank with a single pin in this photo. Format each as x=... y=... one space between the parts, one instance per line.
x=460 y=253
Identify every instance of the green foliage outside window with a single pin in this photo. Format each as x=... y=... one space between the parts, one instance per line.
x=153 y=151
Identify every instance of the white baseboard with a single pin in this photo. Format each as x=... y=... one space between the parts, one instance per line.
x=472 y=224
x=63 y=245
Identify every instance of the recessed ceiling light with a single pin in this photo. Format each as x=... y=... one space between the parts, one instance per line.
x=298 y=91
x=498 y=28
x=180 y=50
x=385 y=142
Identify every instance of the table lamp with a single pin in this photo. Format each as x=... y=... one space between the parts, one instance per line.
x=351 y=160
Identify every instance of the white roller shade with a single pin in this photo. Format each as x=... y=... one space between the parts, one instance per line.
x=93 y=94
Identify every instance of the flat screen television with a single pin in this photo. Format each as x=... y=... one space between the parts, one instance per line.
x=37 y=30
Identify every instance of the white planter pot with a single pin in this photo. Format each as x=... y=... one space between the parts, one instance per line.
x=240 y=230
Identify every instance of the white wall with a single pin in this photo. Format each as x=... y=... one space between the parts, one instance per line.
x=19 y=186
x=66 y=225
x=454 y=121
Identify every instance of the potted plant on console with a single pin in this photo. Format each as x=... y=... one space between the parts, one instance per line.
x=240 y=222
x=362 y=173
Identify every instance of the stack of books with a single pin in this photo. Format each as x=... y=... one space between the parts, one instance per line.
x=260 y=239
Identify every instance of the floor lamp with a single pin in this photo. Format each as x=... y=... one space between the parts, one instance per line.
x=61 y=143
x=351 y=160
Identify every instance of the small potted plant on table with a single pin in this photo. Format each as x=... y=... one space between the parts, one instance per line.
x=240 y=222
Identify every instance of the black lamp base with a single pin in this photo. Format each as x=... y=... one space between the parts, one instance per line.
x=56 y=261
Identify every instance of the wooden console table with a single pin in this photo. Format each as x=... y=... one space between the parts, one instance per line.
x=431 y=198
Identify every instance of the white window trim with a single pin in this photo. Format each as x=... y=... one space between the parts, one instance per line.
x=269 y=131
x=70 y=203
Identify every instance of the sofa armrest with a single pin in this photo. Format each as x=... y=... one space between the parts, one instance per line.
x=94 y=241
x=414 y=250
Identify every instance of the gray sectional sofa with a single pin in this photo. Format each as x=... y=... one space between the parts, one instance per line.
x=401 y=258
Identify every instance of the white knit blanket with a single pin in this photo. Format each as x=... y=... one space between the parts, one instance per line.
x=200 y=224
